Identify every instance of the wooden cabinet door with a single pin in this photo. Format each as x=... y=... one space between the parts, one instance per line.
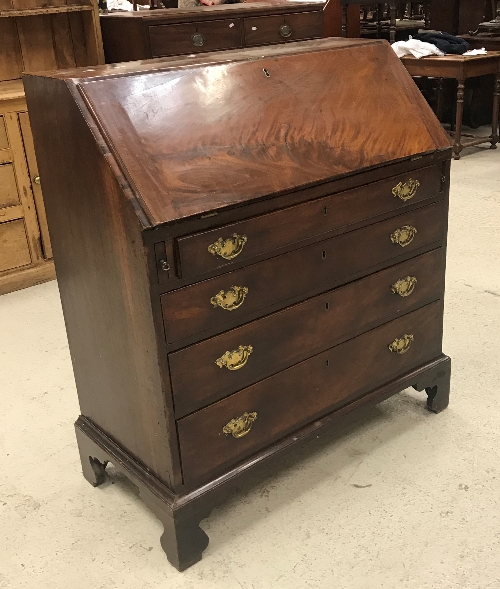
x=35 y=183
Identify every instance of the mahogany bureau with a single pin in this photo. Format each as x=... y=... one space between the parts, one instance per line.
x=250 y=245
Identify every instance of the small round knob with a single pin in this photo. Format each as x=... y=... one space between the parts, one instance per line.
x=36 y=179
x=285 y=31
x=198 y=39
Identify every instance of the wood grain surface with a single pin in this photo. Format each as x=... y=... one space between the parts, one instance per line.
x=294 y=334
x=300 y=394
x=291 y=225
x=205 y=146
x=188 y=310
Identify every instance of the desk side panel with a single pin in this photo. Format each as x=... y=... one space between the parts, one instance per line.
x=101 y=266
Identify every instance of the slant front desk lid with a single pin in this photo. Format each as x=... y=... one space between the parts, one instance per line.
x=203 y=133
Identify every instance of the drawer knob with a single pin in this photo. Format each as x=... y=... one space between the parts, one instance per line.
x=285 y=31
x=240 y=426
x=230 y=300
x=198 y=39
x=228 y=248
x=236 y=359
x=401 y=344
x=36 y=180
x=406 y=190
x=404 y=235
x=405 y=286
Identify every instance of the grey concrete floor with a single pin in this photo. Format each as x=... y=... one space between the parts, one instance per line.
x=403 y=499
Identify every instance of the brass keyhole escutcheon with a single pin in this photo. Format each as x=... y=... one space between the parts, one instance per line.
x=404 y=235
x=236 y=359
x=228 y=248
x=401 y=344
x=285 y=31
x=405 y=286
x=230 y=300
x=240 y=426
x=406 y=190
x=198 y=39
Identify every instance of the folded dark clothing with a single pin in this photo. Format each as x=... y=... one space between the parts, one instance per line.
x=444 y=41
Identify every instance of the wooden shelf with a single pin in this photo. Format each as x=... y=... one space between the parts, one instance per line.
x=46 y=10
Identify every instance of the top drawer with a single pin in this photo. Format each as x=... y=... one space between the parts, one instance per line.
x=195 y=37
x=210 y=250
x=263 y=30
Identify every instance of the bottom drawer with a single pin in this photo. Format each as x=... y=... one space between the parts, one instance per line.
x=292 y=398
x=14 y=249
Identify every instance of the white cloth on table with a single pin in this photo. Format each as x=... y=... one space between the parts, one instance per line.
x=416 y=48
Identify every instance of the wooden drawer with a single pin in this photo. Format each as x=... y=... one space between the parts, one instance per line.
x=195 y=37
x=194 y=309
x=290 y=336
x=262 y=30
x=294 y=397
x=4 y=143
x=9 y=195
x=14 y=249
x=282 y=228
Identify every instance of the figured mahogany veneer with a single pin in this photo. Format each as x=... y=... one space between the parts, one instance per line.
x=251 y=245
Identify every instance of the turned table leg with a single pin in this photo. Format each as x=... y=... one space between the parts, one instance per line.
x=439 y=101
x=496 y=106
x=457 y=146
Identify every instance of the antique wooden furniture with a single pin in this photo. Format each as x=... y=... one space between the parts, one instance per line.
x=35 y=36
x=130 y=36
x=458 y=17
x=25 y=252
x=246 y=251
x=461 y=68
x=383 y=19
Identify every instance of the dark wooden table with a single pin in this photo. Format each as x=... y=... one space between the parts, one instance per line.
x=461 y=68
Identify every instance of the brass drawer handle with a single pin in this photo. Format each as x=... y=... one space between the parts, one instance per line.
x=285 y=31
x=401 y=344
x=240 y=426
x=405 y=286
x=36 y=180
x=406 y=190
x=404 y=235
x=198 y=39
x=230 y=300
x=236 y=359
x=228 y=248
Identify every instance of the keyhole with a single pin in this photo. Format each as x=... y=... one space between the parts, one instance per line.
x=323 y=254
x=327 y=306
x=326 y=210
x=327 y=363
x=266 y=73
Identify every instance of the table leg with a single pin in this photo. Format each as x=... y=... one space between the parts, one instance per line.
x=392 y=21
x=457 y=146
x=496 y=105
x=439 y=101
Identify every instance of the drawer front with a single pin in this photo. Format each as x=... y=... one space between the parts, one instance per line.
x=9 y=195
x=200 y=307
x=263 y=30
x=4 y=143
x=295 y=397
x=200 y=253
x=283 y=339
x=14 y=249
x=195 y=37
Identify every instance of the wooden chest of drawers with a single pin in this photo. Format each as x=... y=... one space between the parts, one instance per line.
x=130 y=36
x=249 y=248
